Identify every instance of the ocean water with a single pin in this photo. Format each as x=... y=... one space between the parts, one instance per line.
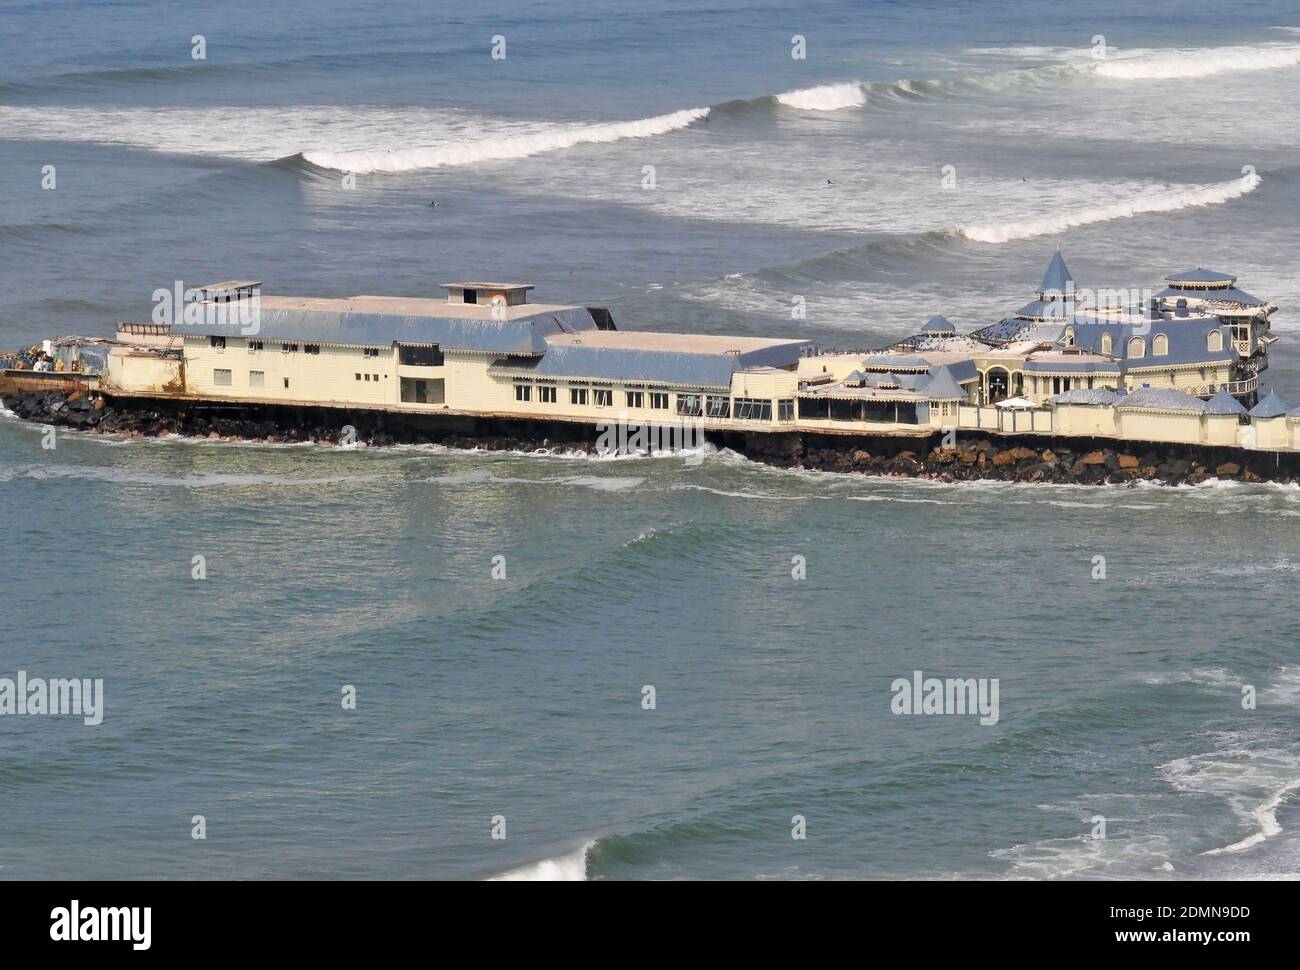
x=521 y=696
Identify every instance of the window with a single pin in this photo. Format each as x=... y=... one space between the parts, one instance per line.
x=1160 y=345
x=546 y=394
x=659 y=400
x=751 y=409
x=471 y=296
x=218 y=342
x=254 y=345
x=523 y=392
x=718 y=407
x=286 y=382
x=420 y=356
x=785 y=410
x=603 y=397
x=358 y=376
x=635 y=399
x=1069 y=336
x=689 y=405
x=289 y=348
x=1214 y=340
x=256 y=378
x=369 y=351
x=1137 y=347
x=1106 y=343
x=367 y=378
x=221 y=378
x=311 y=348
x=577 y=395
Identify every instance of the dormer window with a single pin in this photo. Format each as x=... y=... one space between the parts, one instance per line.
x=1160 y=345
x=1137 y=347
x=1069 y=336
x=1214 y=341
x=1107 y=344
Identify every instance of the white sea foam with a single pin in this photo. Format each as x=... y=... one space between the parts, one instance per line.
x=1171 y=65
x=571 y=867
x=1063 y=857
x=1255 y=781
x=502 y=148
x=1156 y=200
x=358 y=138
x=199 y=480
x=827 y=97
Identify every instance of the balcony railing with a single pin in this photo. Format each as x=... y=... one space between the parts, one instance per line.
x=1235 y=388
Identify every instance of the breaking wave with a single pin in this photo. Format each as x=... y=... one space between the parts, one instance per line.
x=571 y=867
x=1164 y=200
x=828 y=97
x=503 y=148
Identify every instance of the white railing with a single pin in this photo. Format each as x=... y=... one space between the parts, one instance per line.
x=1232 y=387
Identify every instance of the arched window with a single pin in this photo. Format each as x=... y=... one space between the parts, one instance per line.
x=1160 y=345
x=1106 y=343
x=1214 y=341
x=1137 y=347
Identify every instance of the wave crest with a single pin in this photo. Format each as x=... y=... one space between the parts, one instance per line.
x=1165 y=200
x=827 y=97
x=503 y=148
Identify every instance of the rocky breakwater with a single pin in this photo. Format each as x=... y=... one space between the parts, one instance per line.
x=1060 y=462
x=322 y=426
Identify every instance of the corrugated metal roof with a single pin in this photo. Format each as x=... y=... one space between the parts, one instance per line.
x=521 y=334
x=688 y=369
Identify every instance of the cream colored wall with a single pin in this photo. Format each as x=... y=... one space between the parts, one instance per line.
x=1157 y=426
x=1271 y=434
x=1220 y=429
x=1083 y=419
x=327 y=377
x=127 y=371
x=765 y=385
x=1183 y=379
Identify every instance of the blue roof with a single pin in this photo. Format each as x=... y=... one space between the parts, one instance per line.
x=1057 y=279
x=942 y=386
x=1087 y=395
x=1072 y=366
x=1224 y=403
x=1050 y=309
x=938 y=324
x=1228 y=295
x=1270 y=407
x=521 y=335
x=1187 y=338
x=682 y=368
x=1200 y=275
x=1162 y=399
x=890 y=361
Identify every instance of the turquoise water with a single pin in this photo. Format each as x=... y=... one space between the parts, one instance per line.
x=521 y=696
